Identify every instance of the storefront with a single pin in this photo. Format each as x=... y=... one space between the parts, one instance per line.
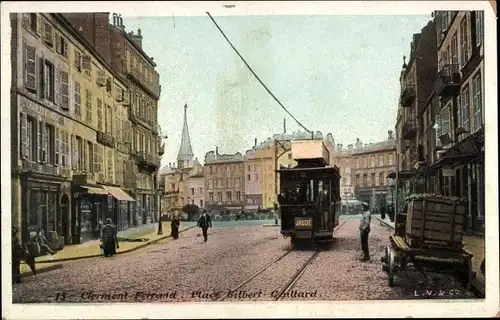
x=91 y=208
x=144 y=207
x=462 y=175
x=120 y=207
x=44 y=206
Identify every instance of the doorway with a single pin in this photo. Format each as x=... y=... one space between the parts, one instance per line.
x=64 y=218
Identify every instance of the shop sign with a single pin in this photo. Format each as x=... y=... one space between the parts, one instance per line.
x=30 y=107
x=448 y=172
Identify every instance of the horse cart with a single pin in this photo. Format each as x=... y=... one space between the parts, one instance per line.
x=428 y=237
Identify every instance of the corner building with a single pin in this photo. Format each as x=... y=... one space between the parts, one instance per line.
x=64 y=177
x=124 y=52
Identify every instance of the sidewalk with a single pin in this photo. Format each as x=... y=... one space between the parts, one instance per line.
x=474 y=245
x=91 y=249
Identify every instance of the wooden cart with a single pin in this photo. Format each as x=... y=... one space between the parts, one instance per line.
x=429 y=238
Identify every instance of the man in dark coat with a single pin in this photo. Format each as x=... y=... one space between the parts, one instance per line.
x=17 y=254
x=204 y=223
x=174 y=226
x=364 y=229
x=109 y=238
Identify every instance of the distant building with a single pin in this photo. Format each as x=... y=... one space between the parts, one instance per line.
x=224 y=182
x=182 y=183
x=371 y=165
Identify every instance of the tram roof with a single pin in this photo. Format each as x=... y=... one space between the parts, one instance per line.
x=312 y=169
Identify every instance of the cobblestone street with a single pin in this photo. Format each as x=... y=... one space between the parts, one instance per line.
x=190 y=270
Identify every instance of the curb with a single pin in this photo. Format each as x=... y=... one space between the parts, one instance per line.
x=118 y=253
x=271 y=225
x=43 y=270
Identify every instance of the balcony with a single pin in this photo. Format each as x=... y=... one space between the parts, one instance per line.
x=148 y=162
x=44 y=168
x=408 y=93
x=448 y=82
x=139 y=77
x=84 y=178
x=136 y=120
x=410 y=128
x=161 y=150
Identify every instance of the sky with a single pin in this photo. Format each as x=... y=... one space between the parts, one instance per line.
x=337 y=74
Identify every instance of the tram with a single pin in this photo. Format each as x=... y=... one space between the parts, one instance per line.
x=309 y=198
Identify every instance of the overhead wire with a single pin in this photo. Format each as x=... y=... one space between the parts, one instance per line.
x=257 y=77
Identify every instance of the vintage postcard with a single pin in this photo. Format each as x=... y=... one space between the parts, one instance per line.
x=249 y=159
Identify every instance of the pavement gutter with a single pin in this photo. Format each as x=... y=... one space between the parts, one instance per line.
x=477 y=286
x=119 y=252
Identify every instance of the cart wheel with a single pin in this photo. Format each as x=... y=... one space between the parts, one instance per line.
x=466 y=274
x=385 y=258
x=392 y=267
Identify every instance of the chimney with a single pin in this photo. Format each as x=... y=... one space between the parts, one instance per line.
x=216 y=150
x=137 y=38
x=115 y=19
x=284 y=125
x=338 y=146
x=119 y=22
x=255 y=143
x=390 y=132
x=349 y=147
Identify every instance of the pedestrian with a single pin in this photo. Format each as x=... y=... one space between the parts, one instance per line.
x=43 y=243
x=109 y=241
x=204 y=223
x=16 y=257
x=364 y=228
x=174 y=226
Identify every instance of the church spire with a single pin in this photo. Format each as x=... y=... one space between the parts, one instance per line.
x=185 y=155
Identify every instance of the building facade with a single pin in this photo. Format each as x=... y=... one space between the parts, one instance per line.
x=259 y=178
x=66 y=176
x=124 y=52
x=454 y=146
x=224 y=182
x=344 y=160
x=415 y=91
x=372 y=164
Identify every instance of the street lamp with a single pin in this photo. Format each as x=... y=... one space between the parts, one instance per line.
x=158 y=191
x=391 y=177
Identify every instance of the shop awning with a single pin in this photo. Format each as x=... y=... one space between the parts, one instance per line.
x=118 y=193
x=95 y=190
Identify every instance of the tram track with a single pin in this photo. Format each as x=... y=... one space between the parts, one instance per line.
x=282 y=291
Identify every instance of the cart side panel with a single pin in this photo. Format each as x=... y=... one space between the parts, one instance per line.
x=435 y=221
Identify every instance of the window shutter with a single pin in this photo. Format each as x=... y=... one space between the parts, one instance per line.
x=39 y=25
x=45 y=141
x=26 y=20
x=48 y=35
x=30 y=67
x=57 y=141
x=58 y=43
x=64 y=47
x=39 y=140
x=85 y=155
x=74 y=152
x=57 y=82
x=96 y=160
x=86 y=62
x=64 y=85
x=24 y=135
x=41 y=68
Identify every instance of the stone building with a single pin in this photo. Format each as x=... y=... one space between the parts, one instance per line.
x=65 y=120
x=124 y=52
x=224 y=182
x=451 y=130
x=371 y=165
x=415 y=90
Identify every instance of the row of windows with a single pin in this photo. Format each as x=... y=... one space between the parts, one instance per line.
x=228 y=197
x=144 y=107
x=145 y=142
x=219 y=183
x=450 y=54
x=212 y=169
x=44 y=143
x=376 y=179
x=373 y=161
x=470 y=108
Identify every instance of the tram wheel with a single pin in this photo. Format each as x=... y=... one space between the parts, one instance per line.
x=392 y=268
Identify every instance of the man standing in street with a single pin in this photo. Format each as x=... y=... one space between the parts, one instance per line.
x=364 y=228
x=204 y=223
